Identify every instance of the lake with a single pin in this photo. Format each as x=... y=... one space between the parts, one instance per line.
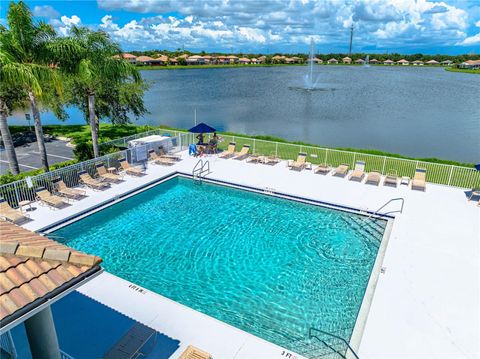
x=420 y=112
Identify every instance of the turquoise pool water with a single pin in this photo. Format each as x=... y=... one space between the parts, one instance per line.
x=269 y=266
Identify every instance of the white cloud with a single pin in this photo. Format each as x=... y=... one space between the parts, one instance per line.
x=45 y=11
x=220 y=24
x=477 y=24
x=65 y=23
x=471 y=40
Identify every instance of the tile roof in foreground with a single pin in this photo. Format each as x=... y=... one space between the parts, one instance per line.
x=34 y=269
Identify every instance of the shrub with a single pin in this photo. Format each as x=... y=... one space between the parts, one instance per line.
x=83 y=151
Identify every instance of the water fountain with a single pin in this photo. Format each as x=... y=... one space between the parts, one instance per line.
x=309 y=81
x=367 y=61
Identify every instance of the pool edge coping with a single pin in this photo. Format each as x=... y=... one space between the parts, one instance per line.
x=362 y=316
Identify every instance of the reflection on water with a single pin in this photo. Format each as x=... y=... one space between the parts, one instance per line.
x=422 y=112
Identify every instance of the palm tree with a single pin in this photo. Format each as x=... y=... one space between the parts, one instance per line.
x=96 y=66
x=7 y=138
x=26 y=61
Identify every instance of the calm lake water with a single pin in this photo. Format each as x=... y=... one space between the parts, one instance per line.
x=421 y=112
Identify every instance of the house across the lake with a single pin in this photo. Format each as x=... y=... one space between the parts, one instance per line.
x=403 y=62
x=470 y=64
x=332 y=61
x=388 y=62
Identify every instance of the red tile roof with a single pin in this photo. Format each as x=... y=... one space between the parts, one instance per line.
x=33 y=266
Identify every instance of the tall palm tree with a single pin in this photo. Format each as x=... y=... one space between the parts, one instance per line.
x=7 y=138
x=95 y=66
x=26 y=61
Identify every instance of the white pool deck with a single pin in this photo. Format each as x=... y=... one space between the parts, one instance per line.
x=426 y=304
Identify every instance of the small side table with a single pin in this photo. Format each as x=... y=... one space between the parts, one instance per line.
x=112 y=170
x=25 y=203
x=405 y=181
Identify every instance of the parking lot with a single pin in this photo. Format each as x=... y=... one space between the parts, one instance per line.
x=29 y=157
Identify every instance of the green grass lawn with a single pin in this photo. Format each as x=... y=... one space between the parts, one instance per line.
x=466 y=71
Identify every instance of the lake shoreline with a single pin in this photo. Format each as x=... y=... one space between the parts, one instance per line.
x=237 y=66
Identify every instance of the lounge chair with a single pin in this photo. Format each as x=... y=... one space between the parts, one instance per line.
x=163 y=154
x=243 y=153
x=229 y=152
x=270 y=160
x=131 y=170
x=93 y=183
x=358 y=172
x=11 y=215
x=255 y=158
x=107 y=176
x=62 y=189
x=341 y=170
x=300 y=163
x=51 y=200
x=194 y=353
x=391 y=179
x=159 y=160
x=419 y=180
x=374 y=178
x=131 y=344
x=323 y=168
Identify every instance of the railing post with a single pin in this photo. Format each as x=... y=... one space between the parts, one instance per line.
x=16 y=192
x=254 y=146
x=384 y=162
x=450 y=176
x=354 y=158
x=326 y=156
x=276 y=149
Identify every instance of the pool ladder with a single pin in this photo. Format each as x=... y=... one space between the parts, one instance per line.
x=200 y=170
x=345 y=351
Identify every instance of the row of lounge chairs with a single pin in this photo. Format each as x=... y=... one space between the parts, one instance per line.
x=62 y=194
x=231 y=153
x=358 y=173
x=244 y=153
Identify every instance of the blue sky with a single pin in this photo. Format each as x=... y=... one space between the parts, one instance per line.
x=405 y=26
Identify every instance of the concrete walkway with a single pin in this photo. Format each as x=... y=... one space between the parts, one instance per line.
x=426 y=304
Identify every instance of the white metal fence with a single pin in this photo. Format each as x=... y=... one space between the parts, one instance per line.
x=463 y=177
x=25 y=189
x=450 y=175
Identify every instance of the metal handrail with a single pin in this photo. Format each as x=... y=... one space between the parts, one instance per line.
x=200 y=162
x=200 y=168
x=311 y=335
x=385 y=204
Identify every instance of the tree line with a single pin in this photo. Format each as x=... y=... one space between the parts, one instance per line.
x=323 y=56
x=41 y=71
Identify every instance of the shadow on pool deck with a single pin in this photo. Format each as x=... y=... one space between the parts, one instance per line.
x=87 y=329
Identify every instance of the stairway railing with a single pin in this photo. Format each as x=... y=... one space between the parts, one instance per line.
x=312 y=334
x=200 y=169
x=388 y=202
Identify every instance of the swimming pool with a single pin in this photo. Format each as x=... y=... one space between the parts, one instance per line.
x=270 y=266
